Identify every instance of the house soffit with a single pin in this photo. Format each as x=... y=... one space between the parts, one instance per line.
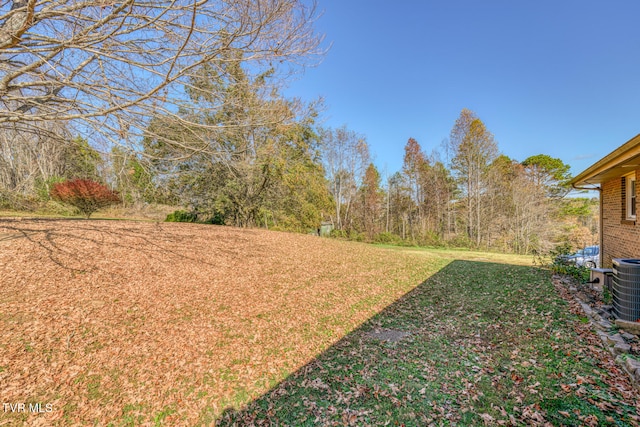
x=620 y=162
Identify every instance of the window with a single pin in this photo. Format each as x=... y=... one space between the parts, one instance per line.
x=630 y=196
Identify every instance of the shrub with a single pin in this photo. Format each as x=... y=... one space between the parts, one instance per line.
x=338 y=234
x=386 y=237
x=19 y=202
x=53 y=207
x=84 y=194
x=43 y=187
x=580 y=273
x=431 y=239
x=460 y=241
x=216 y=219
x=357 y=237
x=181 y=216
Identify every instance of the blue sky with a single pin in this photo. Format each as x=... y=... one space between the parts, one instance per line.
x=555 y=77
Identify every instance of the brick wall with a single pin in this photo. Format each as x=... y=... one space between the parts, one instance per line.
x=621 y=238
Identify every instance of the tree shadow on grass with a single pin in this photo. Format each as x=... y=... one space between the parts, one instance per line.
x=141 y=237
x=477 y=343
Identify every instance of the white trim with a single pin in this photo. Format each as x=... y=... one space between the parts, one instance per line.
x=630 y=196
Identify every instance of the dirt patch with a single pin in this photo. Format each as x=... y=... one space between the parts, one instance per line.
x=388 y=335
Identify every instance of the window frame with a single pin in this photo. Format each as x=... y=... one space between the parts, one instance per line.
x=630 y=197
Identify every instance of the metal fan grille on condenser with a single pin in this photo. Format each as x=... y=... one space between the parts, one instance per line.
x=626 y=289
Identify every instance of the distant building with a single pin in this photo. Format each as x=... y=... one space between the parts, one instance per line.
x=325 y=229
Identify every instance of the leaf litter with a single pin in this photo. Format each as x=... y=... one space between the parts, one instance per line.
x=137 y=323
x=133 y=323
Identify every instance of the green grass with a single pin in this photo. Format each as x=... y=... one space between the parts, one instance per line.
x=490 y=343
x=464 y=254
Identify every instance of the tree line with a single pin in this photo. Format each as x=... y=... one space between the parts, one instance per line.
x=472 y=196
x=181 y=103
x=294 y=175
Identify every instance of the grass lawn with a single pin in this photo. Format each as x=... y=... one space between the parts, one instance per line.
x=490 y=343
x=133 y=323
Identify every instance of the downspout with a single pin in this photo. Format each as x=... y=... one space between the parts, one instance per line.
x=601 y=220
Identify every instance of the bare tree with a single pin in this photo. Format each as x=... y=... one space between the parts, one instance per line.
x=346 y=157
x=106 y=67
x=26 y=159
x=414 y=166
x=474 y=149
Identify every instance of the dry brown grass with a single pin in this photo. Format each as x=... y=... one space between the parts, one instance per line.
x=144 y=323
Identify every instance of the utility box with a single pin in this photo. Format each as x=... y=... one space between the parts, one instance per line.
x=626 y=289
x=602 y=278
x=325 y=229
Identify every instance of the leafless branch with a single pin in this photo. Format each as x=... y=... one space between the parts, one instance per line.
x=106 y=67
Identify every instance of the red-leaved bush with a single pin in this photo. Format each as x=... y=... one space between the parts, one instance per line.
x=86 y=195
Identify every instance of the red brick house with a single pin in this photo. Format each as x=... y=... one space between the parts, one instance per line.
x=614 y=176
